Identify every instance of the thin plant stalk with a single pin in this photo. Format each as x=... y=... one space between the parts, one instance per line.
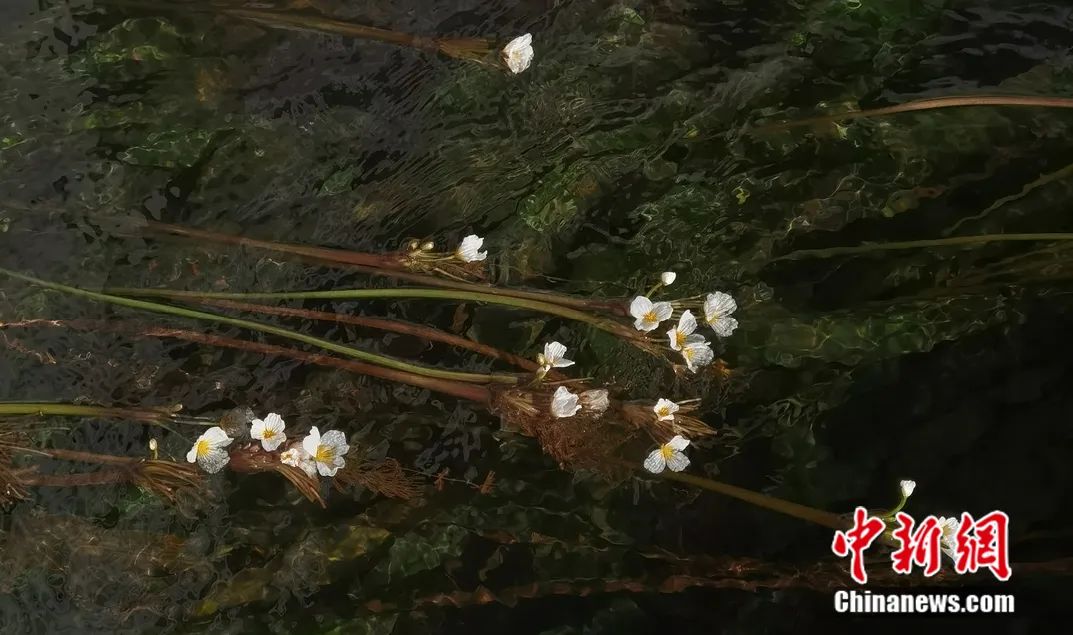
x=394 y=293
x=390 y=265
x=348 y=351
x=385 y=324
x=953 y=241
x=144 y=415
x=957 y=101
x=464 y=390
x=803 y=512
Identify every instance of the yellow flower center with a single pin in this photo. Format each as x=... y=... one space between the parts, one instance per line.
x=679 y=338
x=202 y=447
x=268 y=434
x=688 y=353
x=666 y=450
x=325 y=454
x=664 y=411
x=650 y=316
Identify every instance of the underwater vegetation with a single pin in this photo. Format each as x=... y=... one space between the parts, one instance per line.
x=559 y=317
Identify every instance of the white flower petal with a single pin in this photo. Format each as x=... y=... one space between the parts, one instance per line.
x=217 y=437
x=595 y=400
x=470 y=249
x=555 y=356
x=724 y=326
x=907 y=488
x=663 y=310
x=191 y=456
x=665 y=409
x=687 y=323
x=668 y=278
x=214 y=460
x=312 y=441
x=274 y=422
x=564 y=403
x=272 y=443
x=718 y=305
x=677 y=462
x=678 y=443
x=698 y=354
x=257 y=429
x=640 y=306
x=336 y=440
x=655 y=462
x=518 y=53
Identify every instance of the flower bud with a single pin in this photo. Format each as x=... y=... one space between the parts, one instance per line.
x=667 y=278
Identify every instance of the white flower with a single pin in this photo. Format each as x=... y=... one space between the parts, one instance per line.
x=595 y=400
x=682 y=334
x=470 y=249
x=208 y=451
x=698 y=354
x=648 y=315
x=665 y=409
x=949 y=539
x=269 y=431
x=297 y=457
x=564 y=403
x=328 y=450
x=518 y=53
x=907 y=488
x=717 y=309
x=669 y=455
x=553 y=357
x=668 y=278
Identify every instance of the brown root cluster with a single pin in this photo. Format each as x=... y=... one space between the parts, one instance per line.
x=585 y=441
x=446 y=265
x=640 y=415
x=252 y=459
x=385 y=477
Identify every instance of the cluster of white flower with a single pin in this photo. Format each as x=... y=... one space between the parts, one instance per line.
x=323 y=454
x=669 y=455
x=695 y=350
x=567 y=404
x=949 y=526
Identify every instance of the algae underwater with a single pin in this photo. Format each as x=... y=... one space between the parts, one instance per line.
x=338 y=316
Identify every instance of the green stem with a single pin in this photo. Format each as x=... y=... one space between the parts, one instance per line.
x=810 y=514
x=915 y=244
x=399 y=292
x=148 y=415
x=372 y=358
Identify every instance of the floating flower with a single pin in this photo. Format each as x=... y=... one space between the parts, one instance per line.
x=564 y=403
x=518 y=53
x=669 y=455
x=697 y=354
x=595 y=400
x=949 y=538
x=299 y=458
x=470 y=249
x=668 y=278
x=648 y=315
x=208 y=451
x=682 y=334
x=328 y=450
x=269 y=431
x=553 y=357
x=718 y=307
x=907 y=488
x=665 y=409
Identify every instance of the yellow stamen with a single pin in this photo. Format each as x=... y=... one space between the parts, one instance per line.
x=664 y=411
x=202 y=447
x=679 y=338
x=268 y=434
x=325 y=454
x=650 y=317
x=666 y=450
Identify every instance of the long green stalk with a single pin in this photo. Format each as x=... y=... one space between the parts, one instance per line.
x=399 y=292
x=811 y=514
x=916 y=244
x=348 y=351
x=46 y=409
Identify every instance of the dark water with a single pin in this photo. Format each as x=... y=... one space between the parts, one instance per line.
x=629 y=147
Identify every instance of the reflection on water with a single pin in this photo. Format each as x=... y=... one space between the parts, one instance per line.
x=629 y=147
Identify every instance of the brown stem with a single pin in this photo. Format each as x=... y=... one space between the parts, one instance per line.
x=394 y=326
x=472 y=392
x=391 y=265
x=931 y=104
x=328 y=25
x=102 y=477
x=87 y=457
